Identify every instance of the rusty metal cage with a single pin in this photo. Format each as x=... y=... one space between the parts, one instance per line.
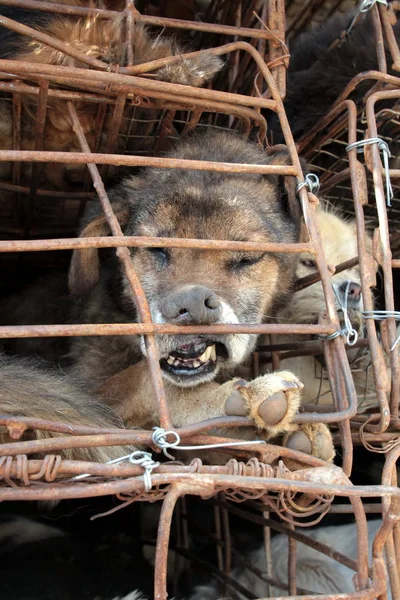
x=143 y=122
x=124 y=98
x=358 y=188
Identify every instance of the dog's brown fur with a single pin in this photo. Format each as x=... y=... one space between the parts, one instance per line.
x=28 y=390
x=192 y=204
x=101 y=39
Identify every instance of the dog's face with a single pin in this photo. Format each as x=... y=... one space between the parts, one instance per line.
x=339 y=242
x=196 y=287
x=208 y=287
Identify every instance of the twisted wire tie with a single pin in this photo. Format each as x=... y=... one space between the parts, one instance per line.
x=159 y=438
x=311 y=181
x=349 y=334
x=384 y=148
x=365 y=6
x=138 y=457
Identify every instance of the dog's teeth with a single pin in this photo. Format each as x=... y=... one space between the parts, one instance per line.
x=206 y=355
x=208 y=352
x=196 y=363
x=177 y=362
x=213 y=353
x=170 y=360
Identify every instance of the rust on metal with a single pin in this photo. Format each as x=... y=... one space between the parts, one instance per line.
x=301 y=497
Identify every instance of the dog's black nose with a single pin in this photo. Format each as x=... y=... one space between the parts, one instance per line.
x=194 y=304
x=353 y=290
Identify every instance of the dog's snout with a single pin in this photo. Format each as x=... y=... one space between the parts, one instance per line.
x=353 y=290
x=192 y=304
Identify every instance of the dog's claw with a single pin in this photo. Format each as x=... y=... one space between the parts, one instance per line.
x=273 y=409
x=235 y=405
x=293 y=385
x=324 y=444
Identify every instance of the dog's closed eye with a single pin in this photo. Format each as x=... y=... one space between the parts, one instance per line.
x=243 y=261
x=309 y=263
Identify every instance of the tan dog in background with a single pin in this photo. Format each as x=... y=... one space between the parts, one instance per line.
x=339 y=242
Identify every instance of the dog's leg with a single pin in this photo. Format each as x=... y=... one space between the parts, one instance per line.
x=271 y=401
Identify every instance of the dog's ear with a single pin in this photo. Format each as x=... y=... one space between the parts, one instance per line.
x=84 y=270
x=287 y=184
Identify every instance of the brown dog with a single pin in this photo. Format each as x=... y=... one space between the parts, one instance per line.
x=188 y=286
x=97 y=38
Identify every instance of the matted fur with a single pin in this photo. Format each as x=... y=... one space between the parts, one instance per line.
x=29 y=390
x=97 y=38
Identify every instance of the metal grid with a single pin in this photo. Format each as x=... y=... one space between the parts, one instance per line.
x=324 y=146
x=358 y=187
x=144 y=119
x=248 y=576
x=265 y=479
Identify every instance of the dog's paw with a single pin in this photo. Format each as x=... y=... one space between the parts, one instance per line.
x=195 y=71
x=312 y=438
x=271 y=401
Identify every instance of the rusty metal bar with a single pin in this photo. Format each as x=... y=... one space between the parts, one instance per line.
x=134 y=282
x=211 y=480
x=304 y=282
x=65 y=75
x=85 y=329
x=385 y=255
x=380 y=45
x=390 y=36
x=53 y=7
x=367 y=269
x=150 y=242
x=142 y=161
x=150 y=20
x=164 y=531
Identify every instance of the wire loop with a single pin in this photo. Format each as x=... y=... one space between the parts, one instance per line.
x=349 y=334
x=311 y=181
x=138 y=457
x=159 y=438
x=386 y=154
